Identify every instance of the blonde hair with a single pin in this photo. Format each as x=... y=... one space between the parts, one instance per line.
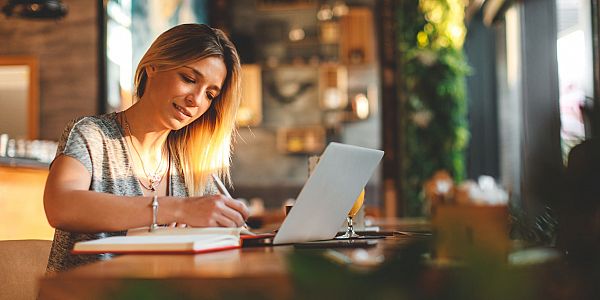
x=204 y=146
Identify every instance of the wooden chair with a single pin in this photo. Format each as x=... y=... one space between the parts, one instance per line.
x=22 y=264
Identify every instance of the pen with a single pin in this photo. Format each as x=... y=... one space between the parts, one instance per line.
x=220 y=186
x=223 y=190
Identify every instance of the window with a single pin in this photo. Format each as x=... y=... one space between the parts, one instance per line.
x=575 y=74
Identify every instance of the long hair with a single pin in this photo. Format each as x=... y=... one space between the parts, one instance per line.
x=204 y=146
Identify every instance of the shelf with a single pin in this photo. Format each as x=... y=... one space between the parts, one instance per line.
x=285 y=5
x=18 y=162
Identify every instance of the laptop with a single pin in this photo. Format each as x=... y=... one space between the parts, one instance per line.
x=328 y=194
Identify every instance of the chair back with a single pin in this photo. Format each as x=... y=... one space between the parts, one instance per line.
x=22 y=264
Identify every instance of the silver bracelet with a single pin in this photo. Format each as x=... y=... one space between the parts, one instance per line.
x=154 y=224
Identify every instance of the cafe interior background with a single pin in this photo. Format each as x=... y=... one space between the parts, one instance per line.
x=502 y=88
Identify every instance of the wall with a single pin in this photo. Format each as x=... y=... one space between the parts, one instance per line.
x=259 y=169
x=67 y=51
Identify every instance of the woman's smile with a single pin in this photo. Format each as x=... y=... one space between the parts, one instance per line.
x=182 y=113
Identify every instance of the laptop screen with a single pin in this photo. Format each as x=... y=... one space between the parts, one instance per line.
x=329 y=193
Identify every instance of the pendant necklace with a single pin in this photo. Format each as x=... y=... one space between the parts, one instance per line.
x=154 y=178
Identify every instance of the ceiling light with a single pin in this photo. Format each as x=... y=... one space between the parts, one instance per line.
x=35 y=9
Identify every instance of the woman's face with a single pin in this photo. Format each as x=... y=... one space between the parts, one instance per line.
x=182 y=95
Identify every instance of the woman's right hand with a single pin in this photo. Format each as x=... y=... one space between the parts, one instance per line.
x=213 y=211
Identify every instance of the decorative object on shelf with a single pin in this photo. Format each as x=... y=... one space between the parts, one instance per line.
x=301 y=140
x=290 y=96
x=341 y=103
x=357 y=43
x=332 y=10
x=250 y=110
x=359 y=104
x=288 y=92
x=329 y=32
x=333 y=87
x=301 y=44
x=35 y=9
x=358 y=107
x=433 y=100
x=296 y=34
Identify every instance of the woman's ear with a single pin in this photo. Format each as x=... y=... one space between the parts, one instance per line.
x=151 y=70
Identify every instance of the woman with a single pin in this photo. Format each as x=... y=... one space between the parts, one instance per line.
x=152 y=163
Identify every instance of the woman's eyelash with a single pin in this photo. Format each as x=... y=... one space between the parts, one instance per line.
x=187 y=79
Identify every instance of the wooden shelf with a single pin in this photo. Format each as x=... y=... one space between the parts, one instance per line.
x=286 y=5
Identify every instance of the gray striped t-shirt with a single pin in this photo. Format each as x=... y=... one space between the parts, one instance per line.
x=99 y=144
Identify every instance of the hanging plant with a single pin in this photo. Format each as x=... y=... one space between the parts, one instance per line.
x=432 y=66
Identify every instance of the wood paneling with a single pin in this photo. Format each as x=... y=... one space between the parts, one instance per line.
x=22 y=213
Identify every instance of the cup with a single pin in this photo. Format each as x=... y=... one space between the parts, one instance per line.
x=3 y=144
x=11 y=148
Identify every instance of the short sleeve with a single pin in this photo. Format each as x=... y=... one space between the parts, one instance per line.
x=77 y=141
x=211 y=188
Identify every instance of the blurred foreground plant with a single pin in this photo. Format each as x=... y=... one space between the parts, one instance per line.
x=410 y=274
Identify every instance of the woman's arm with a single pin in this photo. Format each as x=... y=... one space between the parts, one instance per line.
x=70 y=206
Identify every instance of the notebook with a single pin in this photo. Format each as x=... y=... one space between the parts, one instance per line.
x=169 y=240
x=322 y=205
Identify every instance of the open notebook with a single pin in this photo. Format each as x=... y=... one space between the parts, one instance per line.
x=320 y=209
x=166 y=240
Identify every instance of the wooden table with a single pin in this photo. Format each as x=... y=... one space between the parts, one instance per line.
x=210 y=275
x=266 y=273
x=262 y=272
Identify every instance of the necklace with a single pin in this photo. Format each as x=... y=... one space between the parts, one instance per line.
x=154 y=178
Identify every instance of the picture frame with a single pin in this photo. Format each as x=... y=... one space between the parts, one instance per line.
x=301 y=140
